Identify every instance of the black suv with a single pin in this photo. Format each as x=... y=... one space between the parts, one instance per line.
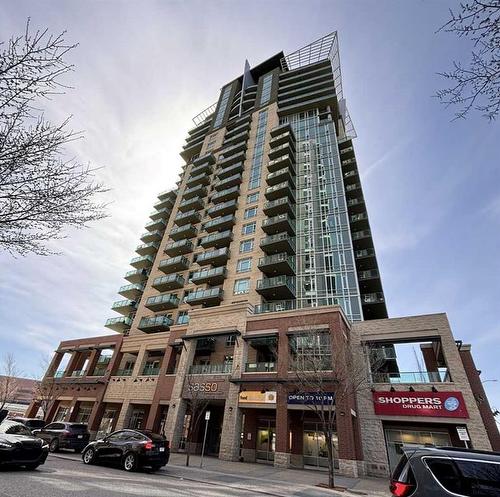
x=129 y=449
x=31 y=423
x=445 y=472
x=64 y=435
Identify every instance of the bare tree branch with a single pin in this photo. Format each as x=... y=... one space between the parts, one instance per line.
x=475 y=86
x=8 y=380
x=41 y=192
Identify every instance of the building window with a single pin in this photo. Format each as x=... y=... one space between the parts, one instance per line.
x=230 y=340
x=248 y=229
x=266 y=89
x=211 y=142
x=251 y=212
x=222 y=107
x=244 y=265
x=253 y=197
x=182 y=317
x=246 y=246
x=258 y=151
x=241 y=286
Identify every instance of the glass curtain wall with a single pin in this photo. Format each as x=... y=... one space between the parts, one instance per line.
x=325 y=258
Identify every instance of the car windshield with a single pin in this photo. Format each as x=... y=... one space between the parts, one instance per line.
x=35 y=423
x=77 y=427
x=11 y=428
x=153 y=436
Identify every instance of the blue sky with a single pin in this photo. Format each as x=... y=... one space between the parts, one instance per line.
x=143 y=69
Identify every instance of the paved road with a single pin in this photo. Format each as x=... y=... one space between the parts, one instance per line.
x=62 y=477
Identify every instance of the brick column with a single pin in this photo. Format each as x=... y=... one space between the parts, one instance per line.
x=248 y=452
x=72 y=410
x=95 y=418
x=93 y=358
x=123 y=416
x=297 y=448
x=282 y=452
x=154 y=409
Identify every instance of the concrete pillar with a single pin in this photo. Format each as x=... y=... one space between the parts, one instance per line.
x=123 y=416
x=95 y=418
x=73 y=407
x=154 y=409
x=93 y=358
x=139 y=361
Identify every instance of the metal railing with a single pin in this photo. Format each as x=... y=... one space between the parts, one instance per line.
x=211 y=368
x=124 y=372
x=412 y=377
x=260 y=367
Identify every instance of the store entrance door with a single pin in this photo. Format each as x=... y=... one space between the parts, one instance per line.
x=395 y=439
x=314 y=446
x=266 y=440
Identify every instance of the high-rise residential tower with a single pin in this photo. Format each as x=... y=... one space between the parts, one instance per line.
x=261 y=260
x=269 y=208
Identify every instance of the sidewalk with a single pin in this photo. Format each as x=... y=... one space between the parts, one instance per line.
x=263 y=478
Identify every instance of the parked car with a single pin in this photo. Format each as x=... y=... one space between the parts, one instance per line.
x=18 y=446
x=129 y=449
x=445 y=472
x=31 y=423
x=64 y=435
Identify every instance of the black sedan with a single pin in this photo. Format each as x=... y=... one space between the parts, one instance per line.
x=129 y=449
x=18 y=447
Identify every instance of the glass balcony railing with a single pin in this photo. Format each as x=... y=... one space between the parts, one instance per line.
x=276 y=306
x=412 y=377
x=150 y=371
x=59 y=373
x=211 y=368
x=124 y=372
x=260 y=367
x=78 y=373
x=226 y=194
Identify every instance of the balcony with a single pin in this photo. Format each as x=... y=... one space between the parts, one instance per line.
x=282 y=242
x=239 y=146
x=150 y=371
x=219 y=223
x=199 y=179
x=217 y=240
x=215 y=276
x=207 y=158
x=287 y=148
x=285 y=189
x=205 y=346
x=282 y=138
x=195 y=191
x=361 y=218
x=152 y=236
x=230 y=171
x=223 y=195
x=361 y=239
x=412 y=377
x=280 y=206
x=224 y=368
x=278 y=306
x=354 y=187
x=280 y=176
x=223 y=209
x=170 y=282
x=142 y=262
x=372 y=298
x=195 y=203
x=147 y=248
x=364 y=254
x=216 y=257
x=281 y=128
x=277 y=288
x=231 y=137
x=191 y=216
x=120 y=324
x=181 y=232
x=348 y=161
x=156 y=225
x=228 y=182
x=205 y=169
x=165 y=203
x=137 y=275
x=279 y=224
x=260 y=367
x=281 y=162
x=178 y=248
x=160 y=214
x=132 y=291
x=155 y=324
x=174 y=264
x=168 y=194
x=368 y=275
x=232 y=159
x=163 y=302
x=124 y=307
x=124 y=372
x=277 y=264
x=212 y=296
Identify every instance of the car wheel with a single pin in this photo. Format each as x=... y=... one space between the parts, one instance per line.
x=88 y=456
x=130 y=462
x=31 y=467
x=54 y=445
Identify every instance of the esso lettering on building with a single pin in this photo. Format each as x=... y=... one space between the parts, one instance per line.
x=203 y=387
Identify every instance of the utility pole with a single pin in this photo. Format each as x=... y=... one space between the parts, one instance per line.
x=207 y=418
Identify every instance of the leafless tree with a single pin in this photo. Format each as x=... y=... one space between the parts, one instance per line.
x=196 y=405
x=328 y=375
x=475 y=85
x=45 y=390
x=8 y=380
x=42 y=192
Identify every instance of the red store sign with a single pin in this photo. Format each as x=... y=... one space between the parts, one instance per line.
x=436 y=404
